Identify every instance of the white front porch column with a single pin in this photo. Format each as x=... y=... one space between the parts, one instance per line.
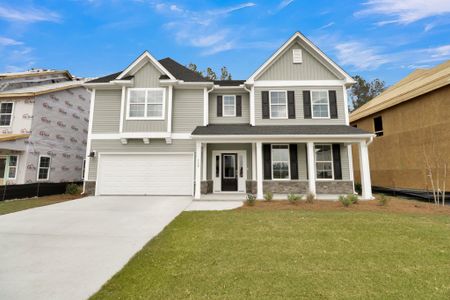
x=204 y=157
x=364 y=167
x=253 y=161
x=311 y=168
x=198 y=165
x=259 y=170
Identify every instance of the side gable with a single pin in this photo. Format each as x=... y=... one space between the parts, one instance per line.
x=283 y=68
x=311 y=50
x=140 y=62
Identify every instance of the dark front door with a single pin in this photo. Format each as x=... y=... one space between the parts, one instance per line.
x=229 y=176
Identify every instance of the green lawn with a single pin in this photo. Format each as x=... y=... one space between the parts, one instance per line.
x=264 y=254
x=10 y=206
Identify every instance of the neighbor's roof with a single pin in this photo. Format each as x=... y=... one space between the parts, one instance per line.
x=41 y=89
x=34 y=73
x=12 y=137
x=246 y=129
x=176 y=69
x=229 y=82
x=417 y=83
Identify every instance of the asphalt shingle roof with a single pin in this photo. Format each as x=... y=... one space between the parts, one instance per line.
x=246 y=129
x=229 y=82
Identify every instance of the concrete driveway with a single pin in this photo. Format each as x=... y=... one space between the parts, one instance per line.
x=69 y=250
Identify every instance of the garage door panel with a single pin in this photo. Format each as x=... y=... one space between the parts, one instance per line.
x=146 y=174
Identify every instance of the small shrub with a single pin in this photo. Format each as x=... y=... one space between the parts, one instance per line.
x=358 y=188
x=345 y=200
x=251 y=199
x=383 y=200
x=310 y=197
x=268 y=196
x=294 y=198
x=353 y=198
x=73 y=189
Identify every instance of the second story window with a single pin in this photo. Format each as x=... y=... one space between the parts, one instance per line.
x=320 y=105
x=378 y=125
x=278 y=104
x=229 y=106
x=146 y=104
x=6 y=109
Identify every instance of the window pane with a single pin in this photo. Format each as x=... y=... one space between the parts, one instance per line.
x=278 y=98
x=280 y=170
x=137 y=96
x=278 y=111
x=228 y=110
x=13 y=161
x=320 y=111
x=323 y=153
x=12 y=172
x=155 y=110
x=217 y=166
x=5 y=120
x=155 y=96
x=229 y=166
x=6 y=108
x=324 y=170
x=45 y=162
x=280 y=153
x=319 y=97
x=228 y=100
x=137 y=110
x=43 y=173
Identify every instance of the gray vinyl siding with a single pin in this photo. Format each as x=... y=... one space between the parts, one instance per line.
x=214 y=119
x=217 y=147
x=106 y=111
x=156 y=145
x=310 y=69
x=147 y=77
x=187 y=110
x=299 y=115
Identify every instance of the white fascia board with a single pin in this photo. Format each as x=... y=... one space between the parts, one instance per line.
x=251 y=79
x=285 y=138
x=288 y=83
x=103 y=86
x=128 y=83
x=140 y=135
x=143 y=56
x=195 y=83
x=235 y=87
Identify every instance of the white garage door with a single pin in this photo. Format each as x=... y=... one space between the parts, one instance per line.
x=145 y=174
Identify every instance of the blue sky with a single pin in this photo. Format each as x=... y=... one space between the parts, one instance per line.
x=373 y=38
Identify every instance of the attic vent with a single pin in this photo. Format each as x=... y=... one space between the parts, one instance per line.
x=297 y=56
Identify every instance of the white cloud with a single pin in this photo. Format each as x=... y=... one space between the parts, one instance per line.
x=28 y=15
x=405 y=11
x=359 y=56
x=326 y=25
x=283 y=4
x=441 y=52
x=4 y=41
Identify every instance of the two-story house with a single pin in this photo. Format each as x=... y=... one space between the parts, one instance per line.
x=158 y=128
x=43 y=127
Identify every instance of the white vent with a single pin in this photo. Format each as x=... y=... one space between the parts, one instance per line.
x=297 y=56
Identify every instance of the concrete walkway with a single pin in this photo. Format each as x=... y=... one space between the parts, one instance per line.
x=69 y=250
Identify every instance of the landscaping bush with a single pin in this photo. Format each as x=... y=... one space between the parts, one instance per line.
x=310 y=197
x=73 y=189
x=294 y=198
x=383 y=200
x=268 y=196
x=251 y=199
x=353 y=198
x=345 y=200
x=358 y=188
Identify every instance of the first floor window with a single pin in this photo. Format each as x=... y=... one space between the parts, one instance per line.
x=278 y=104
x=324 y=161
x=320 y=105
x=12 y=167
x=44 y=167
x=229 y=106
x=6 y=109
x=378 y=125
x=280 y=162
x=146 y=103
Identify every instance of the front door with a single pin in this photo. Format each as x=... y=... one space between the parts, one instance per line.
x=229 y=176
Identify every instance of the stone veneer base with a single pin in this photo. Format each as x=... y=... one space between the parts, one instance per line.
x=89 y=188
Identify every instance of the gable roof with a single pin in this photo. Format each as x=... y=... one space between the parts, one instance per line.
x=417 y=83
x=298 y=36
x=139 y=62
x=176 y=69
x=41 y=89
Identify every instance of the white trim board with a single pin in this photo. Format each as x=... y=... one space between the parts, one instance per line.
x=299 y=83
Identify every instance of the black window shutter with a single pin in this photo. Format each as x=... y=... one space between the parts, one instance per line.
x=238 y=106
x=307 y=104
x=265 y=105
x=337 y=161
x=333 y=104
x=219 y=106
x=267 y=157
x=294 y=161
x=291 y=104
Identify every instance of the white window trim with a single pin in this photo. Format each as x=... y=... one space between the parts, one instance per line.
x=312 y=104
x=324 y=161
x=270 y=104
x=39 y=167
x=12 y=114
x=145 y=104
x=289 y=162
x=223 y=106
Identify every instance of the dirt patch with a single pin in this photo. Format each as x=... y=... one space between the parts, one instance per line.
x=397 y=205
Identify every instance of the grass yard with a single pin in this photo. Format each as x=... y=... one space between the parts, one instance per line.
x=10 y=206
x=278 y=250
